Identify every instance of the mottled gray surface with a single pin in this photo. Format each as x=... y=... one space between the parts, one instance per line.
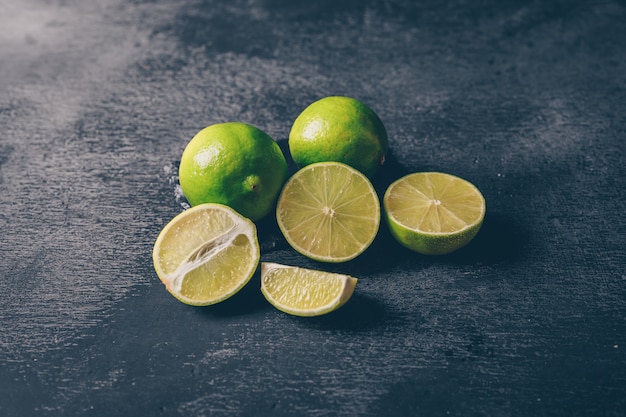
x=525 y=99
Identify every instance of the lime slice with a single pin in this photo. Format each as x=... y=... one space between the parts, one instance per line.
x=206 y=254
x=433 y=213
x=304 y=292
x=328 y=211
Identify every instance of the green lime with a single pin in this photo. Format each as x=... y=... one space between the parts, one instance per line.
x=433 y=213
x=234 y=164
x=339 y=129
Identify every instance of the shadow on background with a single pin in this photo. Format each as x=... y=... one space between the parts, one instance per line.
x=389 y=172
x=5 y=153
x=358 y=314
x=269 y=234
x=248 y=300
x=499 y=240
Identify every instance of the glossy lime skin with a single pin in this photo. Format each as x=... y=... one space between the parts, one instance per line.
x=235 y=164
x=339 y=129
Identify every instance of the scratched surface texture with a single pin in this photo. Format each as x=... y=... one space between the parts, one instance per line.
x=526 y=99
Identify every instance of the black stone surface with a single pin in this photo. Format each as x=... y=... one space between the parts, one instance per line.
x=526 y=99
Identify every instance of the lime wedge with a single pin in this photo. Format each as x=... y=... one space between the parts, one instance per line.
x=433 y=213
x=206 y=254
x=304 y=292
x=328 y=211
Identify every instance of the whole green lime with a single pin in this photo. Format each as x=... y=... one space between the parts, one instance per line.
x=234 y=164
x=339 y=129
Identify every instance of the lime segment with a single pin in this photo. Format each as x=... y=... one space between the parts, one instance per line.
x=304 y=292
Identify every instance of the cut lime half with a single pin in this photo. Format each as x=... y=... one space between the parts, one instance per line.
x=206 y=254
x=433 y=213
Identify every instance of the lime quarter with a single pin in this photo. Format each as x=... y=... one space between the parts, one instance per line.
x=305 y=292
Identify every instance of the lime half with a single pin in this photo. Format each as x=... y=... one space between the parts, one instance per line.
x=433 y=213
x=206 y=254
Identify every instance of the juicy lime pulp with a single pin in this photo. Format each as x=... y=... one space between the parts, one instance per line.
x=432 y=212
x=340 y=129
x=329 y=212
x=304 y=292
x=234 y=164
x=206 y=254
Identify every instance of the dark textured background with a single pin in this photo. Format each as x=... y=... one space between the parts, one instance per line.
x=526 y=99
